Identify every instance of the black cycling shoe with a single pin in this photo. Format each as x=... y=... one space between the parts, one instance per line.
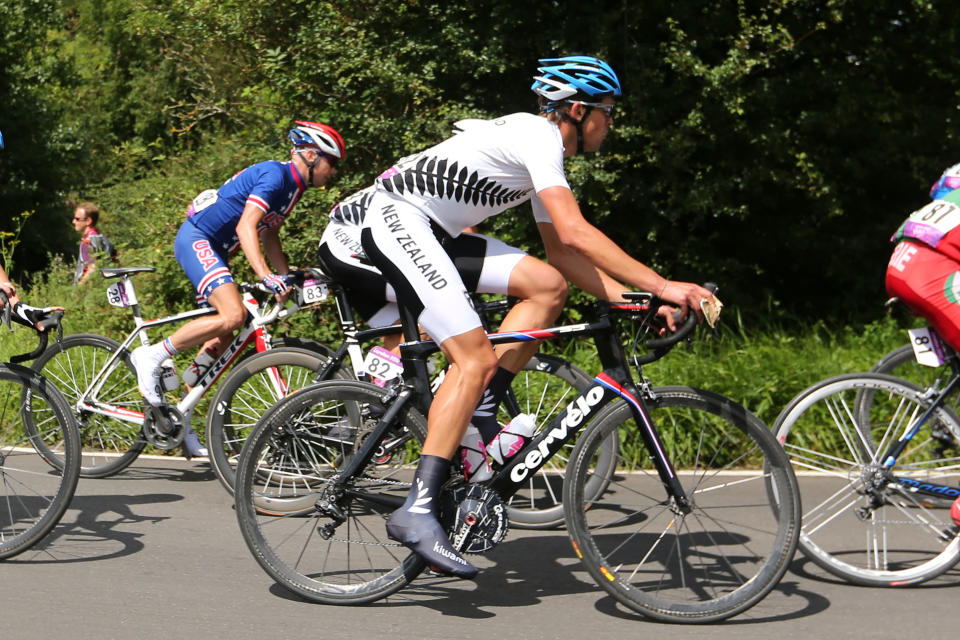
x=423 y=535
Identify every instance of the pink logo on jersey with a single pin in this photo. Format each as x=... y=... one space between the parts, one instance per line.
x=205 y=254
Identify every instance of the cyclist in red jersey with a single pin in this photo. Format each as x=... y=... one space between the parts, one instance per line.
x=924 y=270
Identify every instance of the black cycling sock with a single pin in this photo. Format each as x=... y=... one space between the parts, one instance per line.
x=485 y=415
x=415 y=524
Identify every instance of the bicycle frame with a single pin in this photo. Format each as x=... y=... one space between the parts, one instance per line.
x=613 y=382
x=890 y=456
x=252 y=331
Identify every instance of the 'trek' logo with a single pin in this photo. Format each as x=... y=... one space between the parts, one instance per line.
x=205 y=254
x=577 y=411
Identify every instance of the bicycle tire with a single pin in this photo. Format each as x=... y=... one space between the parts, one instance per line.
x=32 y=499
x=543 y=388
x=282 y=473
x=109 y=445
x=245 y=396
x=722 y=557
x=902 y=363
x=288 y=342
x=909 y=539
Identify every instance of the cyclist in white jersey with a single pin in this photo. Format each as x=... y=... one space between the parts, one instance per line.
x=493 y=166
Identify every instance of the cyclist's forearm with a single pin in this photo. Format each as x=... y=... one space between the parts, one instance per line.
x=576 y=235
x=584 y=274
x=577 y=269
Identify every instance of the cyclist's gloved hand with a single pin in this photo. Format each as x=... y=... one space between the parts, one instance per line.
x=276 y=283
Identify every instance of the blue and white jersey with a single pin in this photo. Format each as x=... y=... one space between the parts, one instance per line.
x=274 y=187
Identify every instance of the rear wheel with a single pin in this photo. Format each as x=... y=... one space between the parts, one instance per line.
x=110 y=443
x=836 y=434
x=326 y=541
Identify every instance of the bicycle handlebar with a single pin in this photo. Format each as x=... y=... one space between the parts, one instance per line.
x=297 y=278
x=662 y=345
x=52 y=321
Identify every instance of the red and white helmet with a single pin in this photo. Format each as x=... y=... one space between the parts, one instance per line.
x=316 y=135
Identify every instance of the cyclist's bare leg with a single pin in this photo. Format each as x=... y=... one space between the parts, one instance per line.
x=542 y=291
x=472 y=364
x=229 y=317
x=415 y=524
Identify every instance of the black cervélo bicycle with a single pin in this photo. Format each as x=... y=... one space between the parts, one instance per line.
x=541 y=389
x=697 y=522
x=33 y=497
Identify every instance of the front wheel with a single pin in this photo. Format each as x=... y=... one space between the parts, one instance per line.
x=702 y=563
x=324 y=540
x=252 y=387
x=112 y=437
x=32 y=497
x=837 y=433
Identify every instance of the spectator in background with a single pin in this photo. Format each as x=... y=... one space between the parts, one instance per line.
x=92 y=243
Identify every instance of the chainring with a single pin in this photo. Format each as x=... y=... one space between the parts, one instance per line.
x=474 y=516
x=163 y=426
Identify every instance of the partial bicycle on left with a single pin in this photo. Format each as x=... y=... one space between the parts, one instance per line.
x=33 y=497
x=99 y=380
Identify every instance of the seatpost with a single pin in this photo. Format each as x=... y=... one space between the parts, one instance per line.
x=414 y=362
x=134 y=305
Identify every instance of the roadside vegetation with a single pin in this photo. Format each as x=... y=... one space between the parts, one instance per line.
x=771 y=146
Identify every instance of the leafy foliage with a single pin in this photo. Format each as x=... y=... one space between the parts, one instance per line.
x=769 y=145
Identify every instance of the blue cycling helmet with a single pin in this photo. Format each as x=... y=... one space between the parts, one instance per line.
x=575 y=78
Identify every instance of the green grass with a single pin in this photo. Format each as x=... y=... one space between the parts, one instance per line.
x=760 y=365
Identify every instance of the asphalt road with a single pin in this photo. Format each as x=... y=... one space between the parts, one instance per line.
x=156 y=553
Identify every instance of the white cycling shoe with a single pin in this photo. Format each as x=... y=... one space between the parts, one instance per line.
x=192 y=446
x=148 y=375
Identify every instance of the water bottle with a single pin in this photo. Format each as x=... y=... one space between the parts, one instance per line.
x=199 y=366
x=169 y=379
x=473 y=454
x=512 y=438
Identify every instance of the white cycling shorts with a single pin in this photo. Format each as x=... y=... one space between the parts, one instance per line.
x=431 y=272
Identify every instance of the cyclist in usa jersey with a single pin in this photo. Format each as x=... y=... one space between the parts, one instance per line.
x=247 y=210
x=487 y=169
